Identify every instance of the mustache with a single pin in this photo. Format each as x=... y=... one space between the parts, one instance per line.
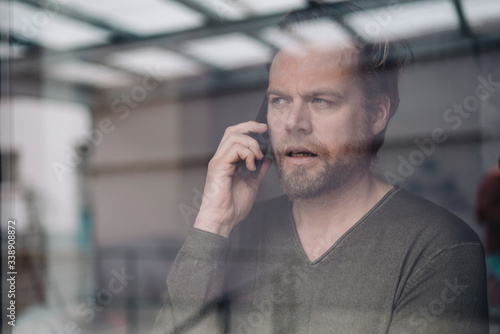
x=280 y=146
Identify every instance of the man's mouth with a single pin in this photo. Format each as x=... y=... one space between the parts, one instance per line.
x=299 y=153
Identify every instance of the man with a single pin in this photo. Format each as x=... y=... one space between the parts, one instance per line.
x=342 y=252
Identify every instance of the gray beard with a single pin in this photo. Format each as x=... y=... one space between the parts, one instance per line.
x=337 y=172
x=297 y=183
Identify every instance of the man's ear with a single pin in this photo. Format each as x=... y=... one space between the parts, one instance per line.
x=380 y=115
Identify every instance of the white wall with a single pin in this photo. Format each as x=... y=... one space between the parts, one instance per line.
x=44 y=131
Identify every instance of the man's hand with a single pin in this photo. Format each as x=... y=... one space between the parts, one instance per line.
x=228 y=197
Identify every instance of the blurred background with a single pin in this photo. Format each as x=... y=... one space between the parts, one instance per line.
x=111 y=110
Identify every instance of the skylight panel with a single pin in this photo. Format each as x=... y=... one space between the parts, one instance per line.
x=277 y=37
x=322 y=30
x=52 y=29
x=164 y=63
x=229 y=51
x=143 y=17
x=240 y=9
x=406 y=20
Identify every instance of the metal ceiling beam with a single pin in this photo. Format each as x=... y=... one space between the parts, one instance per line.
x=213 y=19
x=170 y=40
x=119 y=34
x=250 y=25
x=465 y=29
x=97 y=59
x=174 y=40
x=19 y=40
x=101 y=62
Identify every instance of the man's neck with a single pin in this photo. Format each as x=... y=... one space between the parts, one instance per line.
x=324 y=219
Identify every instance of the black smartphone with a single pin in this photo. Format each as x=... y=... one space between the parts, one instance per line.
x=262 y=138
x=264 y=142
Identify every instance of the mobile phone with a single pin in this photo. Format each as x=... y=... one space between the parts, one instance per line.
x=262 y=138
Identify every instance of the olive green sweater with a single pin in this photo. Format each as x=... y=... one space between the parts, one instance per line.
x=407 y=266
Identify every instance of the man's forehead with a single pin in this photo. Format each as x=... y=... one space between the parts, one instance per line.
x=315 y=59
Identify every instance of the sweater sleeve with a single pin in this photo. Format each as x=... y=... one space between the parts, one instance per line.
x=446 y=295
x=195 y=287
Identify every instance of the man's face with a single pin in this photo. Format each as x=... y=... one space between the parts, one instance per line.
x=320 y=133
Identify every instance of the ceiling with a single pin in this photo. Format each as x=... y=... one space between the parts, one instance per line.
x=106 y=44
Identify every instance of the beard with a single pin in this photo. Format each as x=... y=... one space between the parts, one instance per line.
x=336 y=171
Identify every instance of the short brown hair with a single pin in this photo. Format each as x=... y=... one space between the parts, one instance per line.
x=380 y=62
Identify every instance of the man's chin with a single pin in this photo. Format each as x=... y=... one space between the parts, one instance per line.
x=305 y=171
x=295 y=175
x=302 y=192
x=299 y=184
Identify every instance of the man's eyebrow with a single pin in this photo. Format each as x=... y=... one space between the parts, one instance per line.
x=328 y=92
x=276 y=92
x=319 y=92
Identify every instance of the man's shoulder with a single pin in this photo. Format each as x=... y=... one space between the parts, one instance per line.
x=414 y=215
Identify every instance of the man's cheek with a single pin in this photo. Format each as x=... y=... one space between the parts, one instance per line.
x=275 y=142
x=275 y=121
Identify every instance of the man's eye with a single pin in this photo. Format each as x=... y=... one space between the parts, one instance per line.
x=323 y=103
x=320 y=101
x=278 y=100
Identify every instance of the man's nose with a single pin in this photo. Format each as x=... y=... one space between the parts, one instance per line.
x=299 y=118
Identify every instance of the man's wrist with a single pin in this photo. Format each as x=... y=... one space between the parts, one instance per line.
x=208 y=225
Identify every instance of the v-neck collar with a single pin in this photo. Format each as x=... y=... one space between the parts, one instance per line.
x=298 y=244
